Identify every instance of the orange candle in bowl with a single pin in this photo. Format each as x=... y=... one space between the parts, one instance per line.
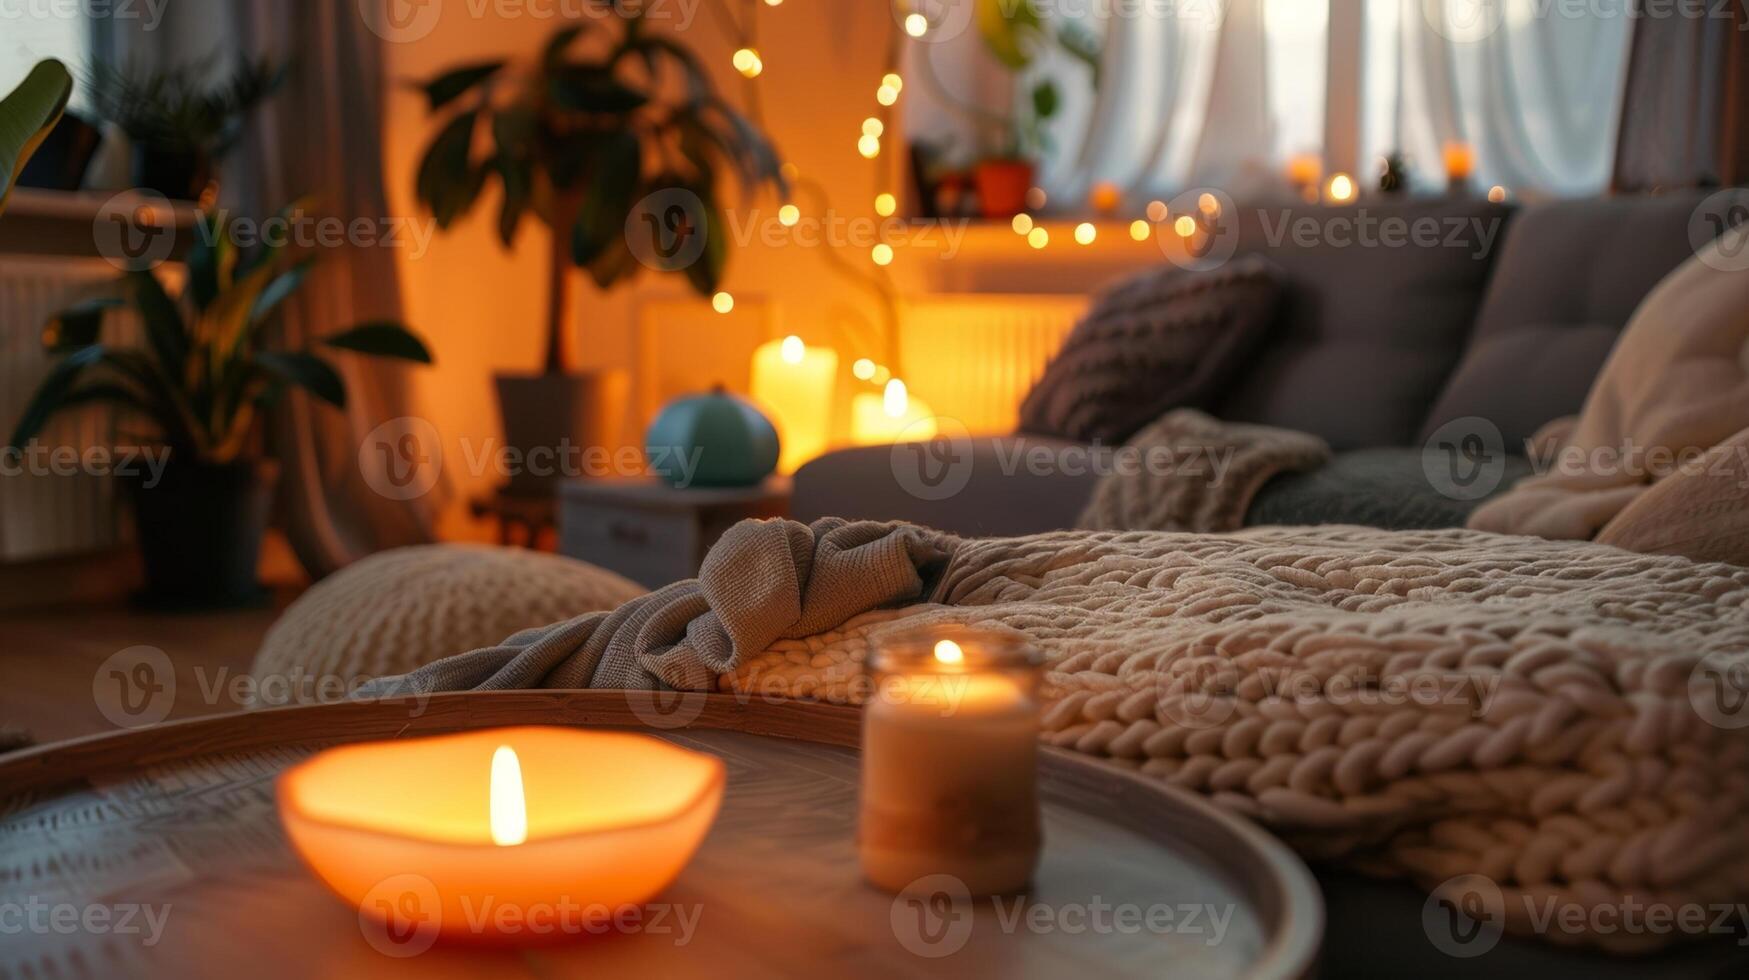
x=950 y=762
x=502 y=828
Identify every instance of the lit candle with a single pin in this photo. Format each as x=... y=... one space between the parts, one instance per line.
x=504 y=828
x=793 y=383
x=1460 y=164
x=950 y=762
x=893 y=415
x=1304 y=171
x=1106 y=197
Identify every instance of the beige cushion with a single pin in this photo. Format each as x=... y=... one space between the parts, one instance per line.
x=402 y=608
x=1677 y=382
x=1701 y=512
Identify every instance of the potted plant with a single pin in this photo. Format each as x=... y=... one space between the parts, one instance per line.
x=1015 y=34
x=27 y=115
x=210 y=362
x=606 y=117
x=179 y=122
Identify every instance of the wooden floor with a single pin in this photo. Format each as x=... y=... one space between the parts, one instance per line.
x=58 y=674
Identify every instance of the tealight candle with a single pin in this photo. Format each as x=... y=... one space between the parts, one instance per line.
x=1460 y=164
x=502 y=826
x=950 y=762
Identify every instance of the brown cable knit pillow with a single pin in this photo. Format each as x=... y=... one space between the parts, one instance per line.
x=1166 y=339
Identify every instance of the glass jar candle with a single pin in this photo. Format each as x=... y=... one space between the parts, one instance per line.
x=950 y=760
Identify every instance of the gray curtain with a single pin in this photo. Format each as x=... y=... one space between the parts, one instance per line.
x=1685 y=115
x=320 y=136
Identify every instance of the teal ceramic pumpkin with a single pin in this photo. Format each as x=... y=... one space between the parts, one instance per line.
x=714 y=440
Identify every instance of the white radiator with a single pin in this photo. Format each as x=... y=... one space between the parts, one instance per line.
x=44 y=514
x=972 y=357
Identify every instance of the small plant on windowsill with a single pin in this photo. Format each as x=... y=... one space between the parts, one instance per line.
x=210 y=363
x=1016 y=34
x=608 y=116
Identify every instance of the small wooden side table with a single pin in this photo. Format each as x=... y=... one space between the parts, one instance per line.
x=652 y=533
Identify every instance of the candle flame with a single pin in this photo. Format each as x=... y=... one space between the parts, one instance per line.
x=949 y=652
x=895 y=400
x=792 y=349
x=508 y=806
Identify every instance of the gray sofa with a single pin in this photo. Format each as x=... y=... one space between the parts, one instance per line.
x=1478 y=335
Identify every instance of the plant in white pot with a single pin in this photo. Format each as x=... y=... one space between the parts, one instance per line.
x=211 y=360
x=609 y=115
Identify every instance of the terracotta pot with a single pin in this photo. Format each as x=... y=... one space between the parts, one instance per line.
x=1002 y=187
x=551 y=421
x=199 y=528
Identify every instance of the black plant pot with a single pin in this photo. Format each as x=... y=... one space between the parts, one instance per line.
x=200 y=529
x=59 y=164
x=178 y=172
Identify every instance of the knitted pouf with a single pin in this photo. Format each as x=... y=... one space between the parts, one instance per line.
x=399 y=609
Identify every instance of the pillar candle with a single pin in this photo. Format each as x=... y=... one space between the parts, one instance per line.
x=950 y=761
x=793 y=383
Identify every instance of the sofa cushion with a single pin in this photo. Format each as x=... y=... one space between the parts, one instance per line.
x=1379 y=301
x=1570 y=275
x=1168 y=338
x=978 y=487
x=1387 y=487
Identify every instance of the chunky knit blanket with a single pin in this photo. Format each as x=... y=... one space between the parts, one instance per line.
x=1433 y=704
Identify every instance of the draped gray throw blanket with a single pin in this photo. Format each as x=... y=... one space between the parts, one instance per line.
x=762 y=582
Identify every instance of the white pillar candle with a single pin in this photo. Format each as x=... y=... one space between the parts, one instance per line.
x=950 y=762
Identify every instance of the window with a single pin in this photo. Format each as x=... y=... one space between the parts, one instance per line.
x=34 y=31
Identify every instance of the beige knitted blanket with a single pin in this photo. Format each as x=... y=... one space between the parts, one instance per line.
x=1425 y=703
x=1187 y=471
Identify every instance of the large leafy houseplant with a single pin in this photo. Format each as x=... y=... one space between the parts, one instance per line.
x=607 y=115
x=210 y=362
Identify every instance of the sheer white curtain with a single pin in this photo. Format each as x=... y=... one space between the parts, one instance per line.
x=1535 y=91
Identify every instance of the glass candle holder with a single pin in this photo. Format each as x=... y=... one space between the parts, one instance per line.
x=950 y=761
